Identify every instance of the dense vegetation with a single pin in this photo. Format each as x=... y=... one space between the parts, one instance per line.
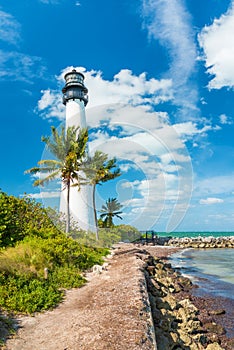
x=32 y=242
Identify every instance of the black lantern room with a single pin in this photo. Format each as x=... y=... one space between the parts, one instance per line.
x=74 y=88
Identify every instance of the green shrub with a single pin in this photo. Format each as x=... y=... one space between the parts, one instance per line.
x=22 y=284
x=20 y=217
x=33 y=254
x=66 y=277
x=26 y=294
x=30 y=243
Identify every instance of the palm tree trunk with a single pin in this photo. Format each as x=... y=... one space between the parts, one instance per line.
x=95 y=211
x=68 y=208
x=110 y=221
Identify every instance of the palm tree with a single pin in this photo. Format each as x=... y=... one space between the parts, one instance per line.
x=110 y=210
x=99 y=169
x=69 y=150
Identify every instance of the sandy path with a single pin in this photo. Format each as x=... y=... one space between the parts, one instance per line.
x=108 y=313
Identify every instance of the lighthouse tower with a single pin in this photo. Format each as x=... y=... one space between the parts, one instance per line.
x=75 y=99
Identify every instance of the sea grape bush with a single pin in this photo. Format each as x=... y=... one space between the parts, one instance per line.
x=20 y=217
x=26 y=294
x=32 y=238
x=29 y=243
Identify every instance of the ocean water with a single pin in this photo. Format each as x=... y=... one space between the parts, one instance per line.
x=211 y=269
x=195 y=234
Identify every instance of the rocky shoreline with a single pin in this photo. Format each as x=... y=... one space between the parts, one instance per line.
x=200 y=242
x=181 y=320
x=137 y=296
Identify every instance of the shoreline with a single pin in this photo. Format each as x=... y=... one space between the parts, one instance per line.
x=207 y=296
x=209 y=306
x=137 y=297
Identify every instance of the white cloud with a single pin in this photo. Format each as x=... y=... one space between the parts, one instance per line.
x=45 y=194
x=161 y=159
x=211 y=200
x=225 y=120
x=15 y=65
x=18 y=66
x=192 y=129
x=52 y=2
x=51 y=101
x=217 y=185
x=124 y=124
x=217 y=42
x=125 y=88
x=9 y=28
x=169 y=22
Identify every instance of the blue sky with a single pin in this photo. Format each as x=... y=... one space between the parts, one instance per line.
x=160 y=75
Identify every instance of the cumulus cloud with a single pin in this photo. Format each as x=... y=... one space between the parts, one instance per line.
x=169 y=22
x=211 y=200
x=124 y=88
x=149 y=145
x=125 y=123
x=45 y=194
x=18 y=66
x=190 y=129
x=217 y=42
x=51 y=101
x=9 y=28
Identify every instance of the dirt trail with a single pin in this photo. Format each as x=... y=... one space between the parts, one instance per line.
x=109 y=313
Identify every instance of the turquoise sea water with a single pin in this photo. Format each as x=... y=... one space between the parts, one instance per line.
x=195 y=234
x=212 y=269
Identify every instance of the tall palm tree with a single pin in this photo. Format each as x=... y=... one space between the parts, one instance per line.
x=99 y=169
x=68 y=147
x=110 y=210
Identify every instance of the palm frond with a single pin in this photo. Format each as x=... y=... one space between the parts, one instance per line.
x=41 y=182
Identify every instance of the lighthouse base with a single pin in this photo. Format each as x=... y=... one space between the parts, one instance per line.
x=81 y=212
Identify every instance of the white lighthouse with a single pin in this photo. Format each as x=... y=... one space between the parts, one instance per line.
x=75 y=99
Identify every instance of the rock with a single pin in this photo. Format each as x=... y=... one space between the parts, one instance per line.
x=231 y=343
x=193 y=326
x=174 y=336
x=159 y=266
x=151 y=269
x=186 y=303
x=217 y=312
x=202 y=245
x=164 y=324
x=214 y=328
x=162 y=341
x=202 y=242
x=214 y=346
x=214 y=338
x=186 y=339
x=176 y=288
x=161 y=304
x=184 y=282
x=201 y=339
x=171 y=301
